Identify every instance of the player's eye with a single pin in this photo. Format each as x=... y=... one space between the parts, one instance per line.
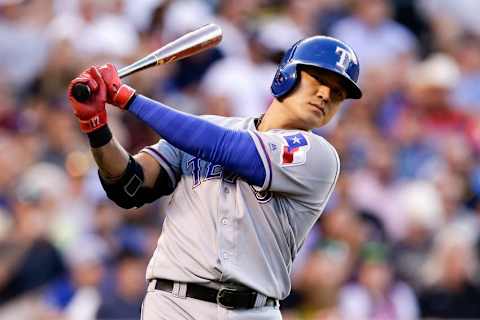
x=338 y=94
x=317 y=78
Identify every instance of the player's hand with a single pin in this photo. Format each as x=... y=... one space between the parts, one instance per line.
x=118 y=94
x=91 y=113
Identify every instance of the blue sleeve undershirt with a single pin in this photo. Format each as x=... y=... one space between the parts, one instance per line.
x=233 y=149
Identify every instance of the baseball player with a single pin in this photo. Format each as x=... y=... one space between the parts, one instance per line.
x=240 y=194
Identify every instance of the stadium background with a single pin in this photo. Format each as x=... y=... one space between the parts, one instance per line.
x=400 y=236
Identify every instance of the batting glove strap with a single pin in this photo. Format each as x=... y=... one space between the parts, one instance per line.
x=94 y=123
x=123 y=96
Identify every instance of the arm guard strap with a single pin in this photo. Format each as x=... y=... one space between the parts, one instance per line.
x=129 y=192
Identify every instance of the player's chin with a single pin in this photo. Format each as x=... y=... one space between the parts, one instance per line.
x=318 y=119
x=314 y=122
x=311 y=118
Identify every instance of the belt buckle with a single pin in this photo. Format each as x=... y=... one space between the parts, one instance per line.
x=222 y=294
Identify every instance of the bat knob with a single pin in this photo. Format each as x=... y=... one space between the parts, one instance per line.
x=81 y=92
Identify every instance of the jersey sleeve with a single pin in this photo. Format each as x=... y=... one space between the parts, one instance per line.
x=169 y=158
x=298 y=163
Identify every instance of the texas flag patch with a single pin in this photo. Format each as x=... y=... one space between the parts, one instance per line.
x=295 y=150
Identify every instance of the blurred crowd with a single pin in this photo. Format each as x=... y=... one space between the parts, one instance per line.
x=399 y=238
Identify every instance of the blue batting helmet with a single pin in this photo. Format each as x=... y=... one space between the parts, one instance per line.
x=321 y=52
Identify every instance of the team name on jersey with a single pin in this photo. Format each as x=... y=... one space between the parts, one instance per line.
x=202 y=171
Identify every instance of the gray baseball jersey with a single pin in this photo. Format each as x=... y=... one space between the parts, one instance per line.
x=220 y=228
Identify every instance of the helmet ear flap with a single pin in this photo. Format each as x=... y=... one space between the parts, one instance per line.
x=279 y=78
x=284 y=80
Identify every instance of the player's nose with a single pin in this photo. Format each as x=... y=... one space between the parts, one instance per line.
x=323 y=92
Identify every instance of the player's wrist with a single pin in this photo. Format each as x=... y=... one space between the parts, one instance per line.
x=99 y=137
x=123 y=96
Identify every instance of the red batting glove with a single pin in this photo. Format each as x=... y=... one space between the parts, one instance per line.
x=118 y=94
x=91 y=114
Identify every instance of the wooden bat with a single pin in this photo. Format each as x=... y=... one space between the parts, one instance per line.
x=187 y=45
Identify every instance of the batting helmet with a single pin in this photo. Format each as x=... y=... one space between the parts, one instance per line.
x=321 y=52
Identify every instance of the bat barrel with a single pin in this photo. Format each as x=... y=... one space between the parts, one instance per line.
x=189 y=44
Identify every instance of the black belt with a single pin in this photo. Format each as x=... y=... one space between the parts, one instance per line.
x=227 y=297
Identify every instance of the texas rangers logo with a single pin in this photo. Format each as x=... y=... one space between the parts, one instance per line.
x=345 y=58
x=294 y=152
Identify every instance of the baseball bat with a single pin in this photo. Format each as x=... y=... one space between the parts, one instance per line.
x=187 y=45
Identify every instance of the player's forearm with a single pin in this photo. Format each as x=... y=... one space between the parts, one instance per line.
x=235 y=150
x=111 y=158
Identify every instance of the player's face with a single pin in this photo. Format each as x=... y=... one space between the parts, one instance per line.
x=316 y=98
